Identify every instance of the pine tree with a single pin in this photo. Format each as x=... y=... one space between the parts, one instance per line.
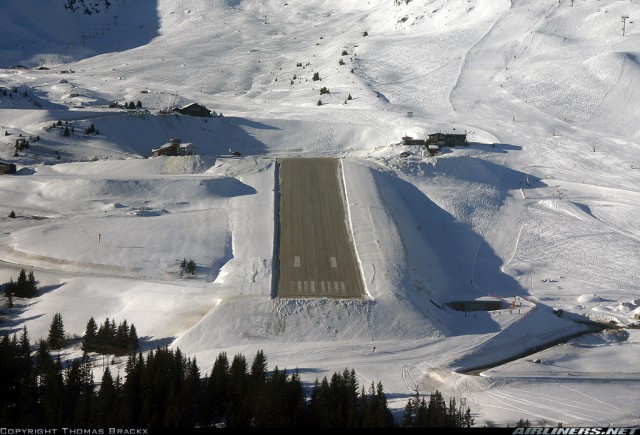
x=132 y=392
x=191 y=267
x=9 y=296
x=90 y=336
x=422 y=414
x=437 y=410
x=10 y=379
x=104 y=406
x=105 y=336
x=185 y=407
x=237 y=413
x=410 y=410
x=452 y=417
x=31 y=285
x=523 y=423
x=268 y=399
x=9 y=288
x=56 y=332
x=25 y=350
x=82 y=415
x=52 y=392
x=72 y=390
x=377 y=407
x=133 y=342
x=24 y=287
x=350 y=388
x=192 y=390
x=21 y=284
x=258 y=373
x=122 y=336
x=218 y=387
x=467 y=419
x=257 y=385
x=295 y=401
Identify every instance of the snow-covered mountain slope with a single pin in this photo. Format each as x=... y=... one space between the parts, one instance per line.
x=541 y=206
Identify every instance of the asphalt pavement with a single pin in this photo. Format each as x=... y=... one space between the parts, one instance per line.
x=317 y=257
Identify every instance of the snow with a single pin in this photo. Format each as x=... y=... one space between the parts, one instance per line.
x=541 y=208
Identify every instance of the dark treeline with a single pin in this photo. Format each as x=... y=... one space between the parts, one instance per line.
x=435 y=413
x=165 y=389
x=110 y=338
x=24 y=287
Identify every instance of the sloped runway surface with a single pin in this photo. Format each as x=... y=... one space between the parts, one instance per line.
x=317 y=254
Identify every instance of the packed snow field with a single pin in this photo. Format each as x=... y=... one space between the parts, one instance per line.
x=541 y=208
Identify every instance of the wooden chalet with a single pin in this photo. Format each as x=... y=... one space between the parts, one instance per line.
x=7 y=168
x=175 y=147
x=447 y=139
x=186 y=149
x=408 y=140
x=195 y=109
x=168 y=149
x=436 y=141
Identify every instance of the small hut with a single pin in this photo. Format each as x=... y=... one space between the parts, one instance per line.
x=195 y=109
x=7 y=168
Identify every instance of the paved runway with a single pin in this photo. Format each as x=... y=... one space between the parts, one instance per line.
x=317 y=255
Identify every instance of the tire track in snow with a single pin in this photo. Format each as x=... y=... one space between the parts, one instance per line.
x=617 y=408
x=526 y=402
x=515 y=247
x=509 y=407
x=586 y=413
x=407 y=373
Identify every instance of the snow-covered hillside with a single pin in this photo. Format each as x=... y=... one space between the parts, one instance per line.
x=541 y=207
